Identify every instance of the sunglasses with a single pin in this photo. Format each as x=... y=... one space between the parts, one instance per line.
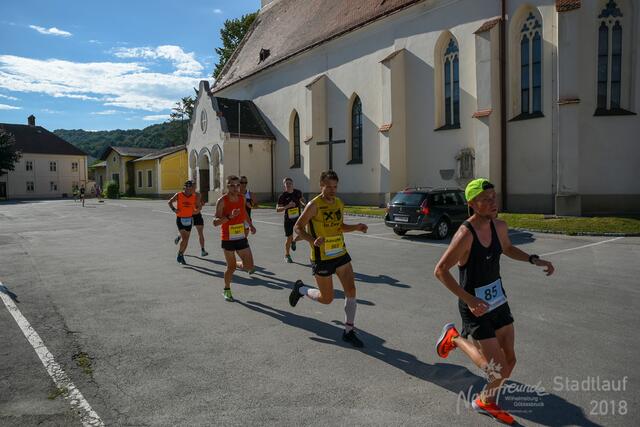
x=243 y=182
x=233 y=185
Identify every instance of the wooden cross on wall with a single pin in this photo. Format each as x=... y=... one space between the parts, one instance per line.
x=330 y=143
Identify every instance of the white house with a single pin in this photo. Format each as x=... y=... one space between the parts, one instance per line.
x=50 y=167
x=539 y=96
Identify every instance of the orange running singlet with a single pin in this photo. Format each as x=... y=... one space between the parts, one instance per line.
x=234 y=228
x=186 y=205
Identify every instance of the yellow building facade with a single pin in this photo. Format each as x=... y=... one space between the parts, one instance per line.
x=161 y=173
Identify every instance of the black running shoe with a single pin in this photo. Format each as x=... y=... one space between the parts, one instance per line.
x=181 y=260
x=293 y=245
x=295 y=296
x=352 y=338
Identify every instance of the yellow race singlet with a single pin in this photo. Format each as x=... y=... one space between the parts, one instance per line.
x=327 y=223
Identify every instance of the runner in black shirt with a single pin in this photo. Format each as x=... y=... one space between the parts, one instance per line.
x=291 y=203
x=482 y=301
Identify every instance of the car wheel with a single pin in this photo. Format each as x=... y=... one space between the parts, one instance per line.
x=399 y=231
x=442 y=229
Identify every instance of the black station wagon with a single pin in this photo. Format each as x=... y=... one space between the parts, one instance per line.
x=436 y=210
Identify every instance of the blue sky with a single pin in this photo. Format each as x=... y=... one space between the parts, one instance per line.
x=101 y=65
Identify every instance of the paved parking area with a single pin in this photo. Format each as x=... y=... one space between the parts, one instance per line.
x=101 y=284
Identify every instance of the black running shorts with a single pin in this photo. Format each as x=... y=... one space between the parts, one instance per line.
x=197 y=219
x=329 y=267
x=180 y=222
x=485 y=326
x=288 y=227
x=235 y=245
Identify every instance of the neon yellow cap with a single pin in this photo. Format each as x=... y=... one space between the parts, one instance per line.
x=476 y=187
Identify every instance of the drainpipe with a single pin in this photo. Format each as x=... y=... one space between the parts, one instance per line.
x=273 y=191
x=503 y=105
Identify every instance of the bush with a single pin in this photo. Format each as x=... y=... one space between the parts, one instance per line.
x=112 y=190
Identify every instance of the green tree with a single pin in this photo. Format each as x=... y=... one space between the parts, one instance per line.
x=231 y=35
x=179 y=118
x=9 y=156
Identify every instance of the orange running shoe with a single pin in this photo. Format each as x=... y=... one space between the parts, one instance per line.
x=445 y=343
x=492 y=410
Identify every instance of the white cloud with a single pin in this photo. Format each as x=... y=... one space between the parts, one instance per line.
x=95 y=41
x=105 y=112
x=10 y=98
x=115 y=84
x=53 y=31
x=185 y=63
x=156 y=117
x=46 y=110
x=217 y=11
x=9 y=107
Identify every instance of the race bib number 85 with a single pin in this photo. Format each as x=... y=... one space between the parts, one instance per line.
x=492 y=294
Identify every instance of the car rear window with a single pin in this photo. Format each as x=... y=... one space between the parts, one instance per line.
x=408 y=199
x=445 y=199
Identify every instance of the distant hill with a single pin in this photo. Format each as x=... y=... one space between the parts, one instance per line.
x=154 y=136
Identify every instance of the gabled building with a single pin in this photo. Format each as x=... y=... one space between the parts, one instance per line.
x=232 y=129
x=144 y=171
x=50 y=167
x=541 y=98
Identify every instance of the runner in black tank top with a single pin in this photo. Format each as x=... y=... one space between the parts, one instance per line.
x=486 y=317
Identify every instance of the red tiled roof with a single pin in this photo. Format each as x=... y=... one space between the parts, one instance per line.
x=287 y=29
x=487 y=25
x=567 y=5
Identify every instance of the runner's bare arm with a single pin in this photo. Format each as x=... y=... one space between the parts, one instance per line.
x=171 y=200
x=282 y=208
x=198 y=203
x=516 y=253
x=457 y=251
x=301 y=224
x=348 y=228
x=220 y=218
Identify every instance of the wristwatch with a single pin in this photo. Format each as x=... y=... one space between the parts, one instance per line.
x=533 y=258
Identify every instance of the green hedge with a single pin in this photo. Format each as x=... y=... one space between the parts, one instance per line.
x=112 y=190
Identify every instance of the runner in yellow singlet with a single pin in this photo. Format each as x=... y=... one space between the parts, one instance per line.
x=322 y=225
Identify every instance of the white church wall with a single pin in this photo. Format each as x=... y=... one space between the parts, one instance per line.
x=609 y=149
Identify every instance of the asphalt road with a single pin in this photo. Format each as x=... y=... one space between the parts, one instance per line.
x=166 y=349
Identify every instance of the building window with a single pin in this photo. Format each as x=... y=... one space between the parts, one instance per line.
x=356 y=131
x=203 y=121
x=53 y=166
x=114 y=159
x=139 y=179
x=74 y=167
x=149 y=178
x=610 y=60
x=30 y=187
x=296 y=141
x=53 y=186
x=531 y=67
x=452 y=85
x=28 y=165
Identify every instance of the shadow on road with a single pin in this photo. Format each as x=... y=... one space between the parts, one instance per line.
x=380 y=279
x=261 y=277
x=553 y=411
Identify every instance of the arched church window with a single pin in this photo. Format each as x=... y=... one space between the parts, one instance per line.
x=452 y=85
x=356 y=131
x=609 y=58
x=296 y=141
x=531 y=66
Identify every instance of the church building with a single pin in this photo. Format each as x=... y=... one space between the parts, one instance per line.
x=539 y=96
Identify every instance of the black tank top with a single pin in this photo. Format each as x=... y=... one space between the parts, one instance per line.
x=483 y=265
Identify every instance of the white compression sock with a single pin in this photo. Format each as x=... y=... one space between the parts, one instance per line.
x=349 y=313
x=312 y=293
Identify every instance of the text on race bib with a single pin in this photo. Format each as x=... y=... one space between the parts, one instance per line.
x=333 y=245
x=293 y=213
x=492 y=294
x=186 y=221
x=236 y=232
